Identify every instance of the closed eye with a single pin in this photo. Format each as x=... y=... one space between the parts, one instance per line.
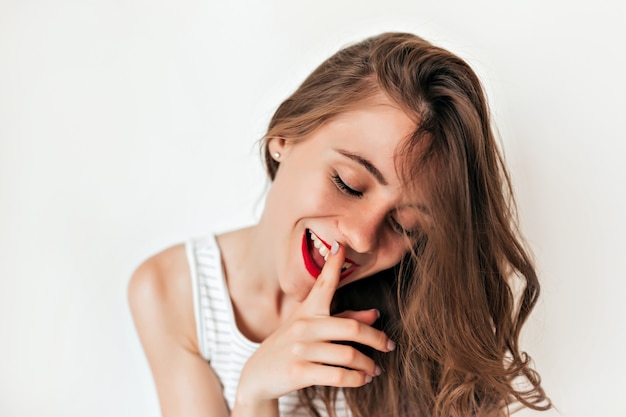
x=345 y=188
x=397 y=227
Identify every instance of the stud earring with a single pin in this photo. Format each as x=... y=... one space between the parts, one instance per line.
x=276 y=155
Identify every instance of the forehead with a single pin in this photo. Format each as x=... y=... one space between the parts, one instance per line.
x=381 y=133
x=378 y=126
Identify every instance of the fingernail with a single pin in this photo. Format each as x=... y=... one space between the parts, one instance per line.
x=368 y=379
x=377 y=371
x=334 y=248
x=391 y=345
x=377 y=312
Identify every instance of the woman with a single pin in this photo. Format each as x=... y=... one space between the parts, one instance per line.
x=385 y=276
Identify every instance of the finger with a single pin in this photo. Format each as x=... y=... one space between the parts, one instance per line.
x=309 y=374
x=321 y=294
x=338 y=355
x=364 y=316
x=345 y=330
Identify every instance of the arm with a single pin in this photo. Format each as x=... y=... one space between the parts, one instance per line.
x=160 y=297
x=293 y=357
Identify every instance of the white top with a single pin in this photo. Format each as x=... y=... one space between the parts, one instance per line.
x=220 y=341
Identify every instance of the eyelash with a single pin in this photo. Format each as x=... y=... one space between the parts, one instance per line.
x=346 y=189
x=343 y=187
x=397 y=227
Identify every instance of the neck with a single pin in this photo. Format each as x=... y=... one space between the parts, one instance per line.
x=259 y=303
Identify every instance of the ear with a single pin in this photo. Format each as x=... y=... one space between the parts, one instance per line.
x=278 y=147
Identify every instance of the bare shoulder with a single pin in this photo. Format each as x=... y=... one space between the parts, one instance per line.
x=160 y=297
x=161 y=301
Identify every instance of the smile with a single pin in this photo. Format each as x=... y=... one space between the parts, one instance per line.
x=315 y=253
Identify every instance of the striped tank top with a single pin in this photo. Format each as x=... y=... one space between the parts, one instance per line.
x=220 y=341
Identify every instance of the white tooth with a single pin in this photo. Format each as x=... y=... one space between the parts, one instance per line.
x=326 y=258
x=317 y=244
x=323 y=251
x=346 y=265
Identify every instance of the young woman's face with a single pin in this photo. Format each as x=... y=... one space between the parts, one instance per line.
x=341 y=183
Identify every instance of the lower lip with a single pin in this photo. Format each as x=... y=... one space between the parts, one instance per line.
x=310 y=264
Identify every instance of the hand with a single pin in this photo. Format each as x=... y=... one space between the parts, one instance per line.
x=301 y=353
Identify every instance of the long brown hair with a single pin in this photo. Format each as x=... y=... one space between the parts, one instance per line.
x=457 y=302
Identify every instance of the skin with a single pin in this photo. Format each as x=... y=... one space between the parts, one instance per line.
x=276 y=300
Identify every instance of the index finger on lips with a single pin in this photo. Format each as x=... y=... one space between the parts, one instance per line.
x=322 y=292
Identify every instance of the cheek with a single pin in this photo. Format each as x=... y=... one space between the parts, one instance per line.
x=276 y=203
x=303 y=183
x=394 y=251
x=319 y=195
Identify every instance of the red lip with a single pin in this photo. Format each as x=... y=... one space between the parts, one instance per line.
x=311 y=265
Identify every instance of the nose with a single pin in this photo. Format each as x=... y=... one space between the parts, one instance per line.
x=362 y=230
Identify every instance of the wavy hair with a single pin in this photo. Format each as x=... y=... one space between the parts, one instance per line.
x=457 y=302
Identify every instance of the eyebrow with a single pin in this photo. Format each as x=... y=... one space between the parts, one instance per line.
x=366 y=164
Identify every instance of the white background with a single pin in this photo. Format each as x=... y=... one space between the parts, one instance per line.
x=130 y=125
